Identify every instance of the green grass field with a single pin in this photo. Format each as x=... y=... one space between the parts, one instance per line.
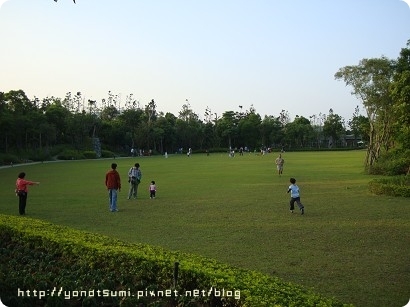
x=350 y=244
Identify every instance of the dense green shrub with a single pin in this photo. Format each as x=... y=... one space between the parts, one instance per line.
x=394 y=162
x=7 y=159
x=39 y=155
x=107 y=154
x=55 y=150
x=23 y=157
x=90 y=154
x=35 y=255
x=393 y=186
x=70 y=154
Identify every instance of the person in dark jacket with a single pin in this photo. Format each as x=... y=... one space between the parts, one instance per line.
x=113 y=184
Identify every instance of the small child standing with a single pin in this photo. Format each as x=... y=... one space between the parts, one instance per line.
x=152 y=189
x=295 y=196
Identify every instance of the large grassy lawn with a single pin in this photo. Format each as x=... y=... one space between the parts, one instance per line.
x=350 y=244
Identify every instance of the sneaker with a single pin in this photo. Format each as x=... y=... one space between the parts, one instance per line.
x=302 y=211
x=291 y=211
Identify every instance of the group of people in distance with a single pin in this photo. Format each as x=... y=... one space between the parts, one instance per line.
x=113 y=185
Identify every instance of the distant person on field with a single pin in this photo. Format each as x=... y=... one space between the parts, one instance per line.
x=113 y=184
x=22 y=190
x=279 y=164
x=152 y=189
x=295 y=196
x=134 y=178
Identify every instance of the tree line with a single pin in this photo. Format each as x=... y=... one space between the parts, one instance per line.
x=382 y=85
x=34 y=124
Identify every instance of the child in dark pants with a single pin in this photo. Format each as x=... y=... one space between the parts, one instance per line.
x=295 y=196
x=152 y=189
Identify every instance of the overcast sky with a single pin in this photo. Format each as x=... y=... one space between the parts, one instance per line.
x=221 y=54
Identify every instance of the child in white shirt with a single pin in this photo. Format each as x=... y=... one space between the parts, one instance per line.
x=295 y=196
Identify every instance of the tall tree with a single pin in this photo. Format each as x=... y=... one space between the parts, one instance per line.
x=333 y=127
x=401 y=95
x=370 y=82
x=21 y=107
x=189 y=128
x=165 y=133
x=359 y=125
x=271 y=131
x=7 y=123
x=299 y=132
x=317 y=122
x=132 y=119
x=249 y=130
x=57 y=116
x=227 y=128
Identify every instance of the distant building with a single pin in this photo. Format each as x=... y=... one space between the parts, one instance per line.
x=351 y=141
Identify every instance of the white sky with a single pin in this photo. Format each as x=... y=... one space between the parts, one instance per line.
x=272 y=54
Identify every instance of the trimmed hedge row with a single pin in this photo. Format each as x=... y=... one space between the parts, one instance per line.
x=393 y=186
x=48 y=258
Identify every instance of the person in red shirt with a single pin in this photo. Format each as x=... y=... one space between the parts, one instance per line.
x=22 y=190
x=113 y=184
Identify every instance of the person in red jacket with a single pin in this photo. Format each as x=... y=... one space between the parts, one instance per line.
x=113 y=184
x=21 y=191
